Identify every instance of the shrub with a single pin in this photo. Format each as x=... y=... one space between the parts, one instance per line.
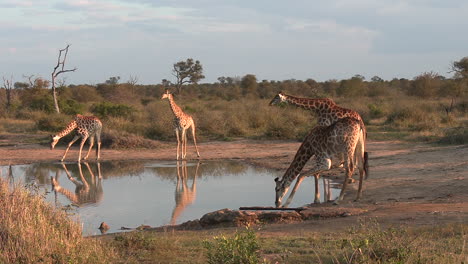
x=113 y=139
x=71 y=107
x=375 y=111
x=412 y=118
x=457 y=135
x=52 y=123
x=242 y=248
x=106 y=109
x=32 y=231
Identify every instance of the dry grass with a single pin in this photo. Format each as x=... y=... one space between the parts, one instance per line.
x=365 y=243
x=32 y=231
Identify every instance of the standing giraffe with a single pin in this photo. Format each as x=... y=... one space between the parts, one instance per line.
x=327 y=111
x=86 y=127
x=182 y=122
x=330 y=145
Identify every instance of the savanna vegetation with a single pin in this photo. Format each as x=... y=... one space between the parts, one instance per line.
x=428 y=107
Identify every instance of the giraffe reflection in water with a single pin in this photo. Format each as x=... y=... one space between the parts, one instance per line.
x=85 y=193
x=326 y=190
x=184 y=195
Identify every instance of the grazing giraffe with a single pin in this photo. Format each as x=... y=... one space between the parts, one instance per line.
x=327 y=111
x=182 y=122
x=330 y=145
x=184 y=195
x=84 y=193
x=86 y=127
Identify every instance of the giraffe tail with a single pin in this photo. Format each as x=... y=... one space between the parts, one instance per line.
x=366 y=164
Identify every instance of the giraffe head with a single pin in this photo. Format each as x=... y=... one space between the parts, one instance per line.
x=167 y=95
x=53 y=141
x=279 y=98
x=281 y=189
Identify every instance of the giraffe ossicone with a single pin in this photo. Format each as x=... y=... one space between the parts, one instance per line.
x=86 y=127
x=182 y=122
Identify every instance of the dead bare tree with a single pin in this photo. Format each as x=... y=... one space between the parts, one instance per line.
x=61 y=69
x=8 y=86
x=30 y=80
x=132 y=80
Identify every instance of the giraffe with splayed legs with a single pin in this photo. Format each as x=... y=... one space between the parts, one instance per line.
x=182 y=122
x=343 y=141
x=85 y=127
x=326 y=110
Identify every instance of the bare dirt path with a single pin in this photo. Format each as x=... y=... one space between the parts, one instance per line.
x=415 y=184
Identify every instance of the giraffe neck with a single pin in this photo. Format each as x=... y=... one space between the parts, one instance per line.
x=175 y=108
x=315 y=104
x=304 y=153
x=70 y=127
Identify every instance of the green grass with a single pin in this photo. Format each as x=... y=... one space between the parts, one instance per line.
x=367 y=242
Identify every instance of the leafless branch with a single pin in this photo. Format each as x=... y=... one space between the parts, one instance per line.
x=55 y=73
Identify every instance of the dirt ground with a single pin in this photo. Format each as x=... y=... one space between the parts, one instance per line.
x=410 y=183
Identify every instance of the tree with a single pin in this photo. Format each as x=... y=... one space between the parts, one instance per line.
x=114 y=80
x=166 y=83
x=8 y=86
x=353 y=87
x=61 y=69
x=460 y=68
x=376 y=79
x=425 y=84
x=249 y=84
x=187 y=72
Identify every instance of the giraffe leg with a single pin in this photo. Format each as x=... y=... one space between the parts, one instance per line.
x=293 y=192
x=361 y=178
x=91 y=143
x=178 y=142
x=83 y=141
x=98 y=147
x=195 y=140
x=317 y=191
x=323 y=164
x=184 y=143
x=69 y=145
x=349 y=167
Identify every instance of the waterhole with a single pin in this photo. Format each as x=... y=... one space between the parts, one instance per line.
x=134 y=193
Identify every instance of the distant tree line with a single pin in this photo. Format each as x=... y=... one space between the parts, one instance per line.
x=34 y=92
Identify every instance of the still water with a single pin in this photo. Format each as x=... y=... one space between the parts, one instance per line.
x=132 y=193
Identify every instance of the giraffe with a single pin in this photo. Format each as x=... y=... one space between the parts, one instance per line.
x=327 y=111
x=86 y=127
x=182 y=122
x=84 y=192
x=330 y=145
x=184 y=195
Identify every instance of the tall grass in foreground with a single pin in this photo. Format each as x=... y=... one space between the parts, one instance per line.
x=32 y=231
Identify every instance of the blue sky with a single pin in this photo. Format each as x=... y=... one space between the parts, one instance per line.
x=273 y=39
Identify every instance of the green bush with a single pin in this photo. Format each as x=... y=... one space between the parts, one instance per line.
x=53 y=123
x=71 y=107
x=375 y=111
x=106 y=109
x=242 y=248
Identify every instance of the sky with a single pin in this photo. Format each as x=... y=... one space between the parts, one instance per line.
x=272 y=39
